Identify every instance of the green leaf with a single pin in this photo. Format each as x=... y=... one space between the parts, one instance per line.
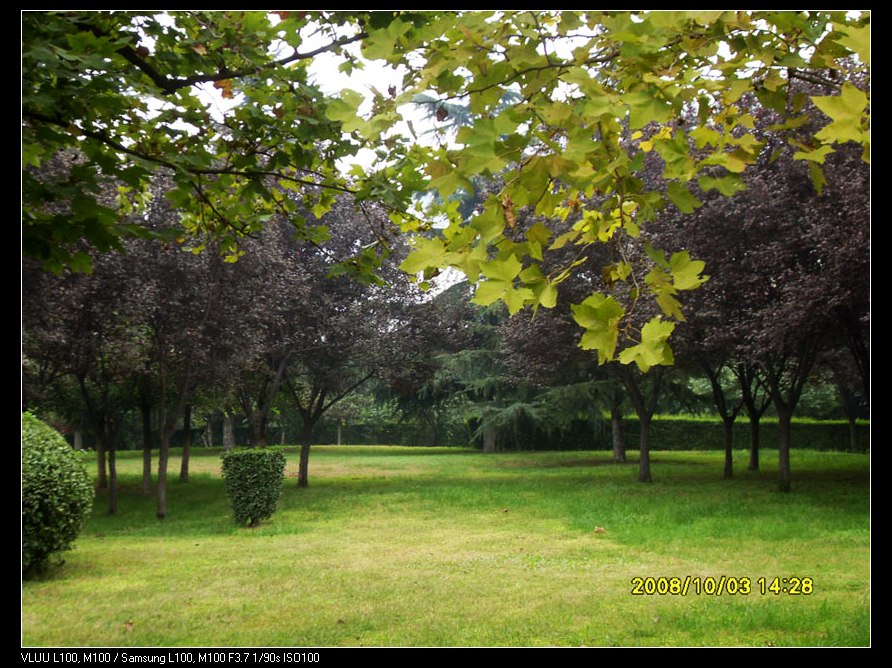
x=427 y=253
x=81 y=262
x=847 y=113
x=645 y=108
x=346 y=110
x=669 y=304
x=451 y=183
x=818 y=155
x=516 y=298
x=547 y=295
x=532 y=274
x=856 y=39
x=660 y=284
x=490 y=222
x=502 y=270
x=682 y=197
x=676 y=157
x=657 y=256
x=654 y=348
x=686 y=273
x=489 y=292
x=379 y=45
x=735 y=161
x=600 y=316
x=538 y=235
x=817 y=177
x=564 y=239
x=727 y=185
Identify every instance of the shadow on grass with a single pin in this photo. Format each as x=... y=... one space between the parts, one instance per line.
x=574 y=490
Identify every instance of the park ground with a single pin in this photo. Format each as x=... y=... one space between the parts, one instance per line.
x=394 y=546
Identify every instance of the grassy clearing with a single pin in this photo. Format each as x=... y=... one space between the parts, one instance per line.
x=426 y=547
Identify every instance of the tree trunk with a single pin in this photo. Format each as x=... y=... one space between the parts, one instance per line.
x=644 y=447
x=784 y=425
x=619 y=438
x=163 y=457
x=645 y=405
x=146 y=410
x=754 y=443
x=78 y=438
x=303 y=465
x=850 y=407
x=102 y=476
x=187 y=444
x=489 y=440
x=787 y=375
x=729 y=447
x=258 y=433
x=228 y=430
x=854 y=446
x=756 y=400
x=112 y=479
x=339 y=433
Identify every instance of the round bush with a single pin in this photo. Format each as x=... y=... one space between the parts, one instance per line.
x=57 y=494
x=254 y=482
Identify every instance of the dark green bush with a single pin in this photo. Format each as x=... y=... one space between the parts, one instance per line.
x=57 y=494
x=254 y=482
x=689 y=433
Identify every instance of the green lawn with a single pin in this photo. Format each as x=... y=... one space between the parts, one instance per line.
x=433 y=547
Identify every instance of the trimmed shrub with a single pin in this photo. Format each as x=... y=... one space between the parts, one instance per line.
x=691 y=433
x=57 y=494
x=254 y=482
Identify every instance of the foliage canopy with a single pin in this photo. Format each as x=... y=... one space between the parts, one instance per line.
x=592 y=96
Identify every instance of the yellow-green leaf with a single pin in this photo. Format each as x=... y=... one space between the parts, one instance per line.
x=727 y=185
x=600 y=316
x=686 y=273
x=856 y=39
x=654 y=348
x=846 y=111
x=502 y=270
x=346 y=110
x=818 y=155
x=489 y=291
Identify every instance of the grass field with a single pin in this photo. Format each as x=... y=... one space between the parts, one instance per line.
x=426 y=547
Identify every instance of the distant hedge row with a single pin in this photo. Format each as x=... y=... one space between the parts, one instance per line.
x=700 y=434
x=666 y=433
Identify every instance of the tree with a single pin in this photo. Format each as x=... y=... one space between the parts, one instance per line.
x=847 y=379
x=85 y=333
x=261 y=291
x=90 y=329
x=756 y=399
x=308 y=332
x=790 y=263
x=597 y=90
x=125 y=89
x=182 y=325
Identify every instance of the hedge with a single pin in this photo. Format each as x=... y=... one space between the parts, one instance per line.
x=57 y=495
x=253 y=479
x=674 y=433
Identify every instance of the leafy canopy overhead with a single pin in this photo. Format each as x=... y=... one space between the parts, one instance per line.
x=593 y=97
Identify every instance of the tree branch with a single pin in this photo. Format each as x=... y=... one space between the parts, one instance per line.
x=811 y=77
x=347 y=391
x=169 y=85
x=104 y=138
